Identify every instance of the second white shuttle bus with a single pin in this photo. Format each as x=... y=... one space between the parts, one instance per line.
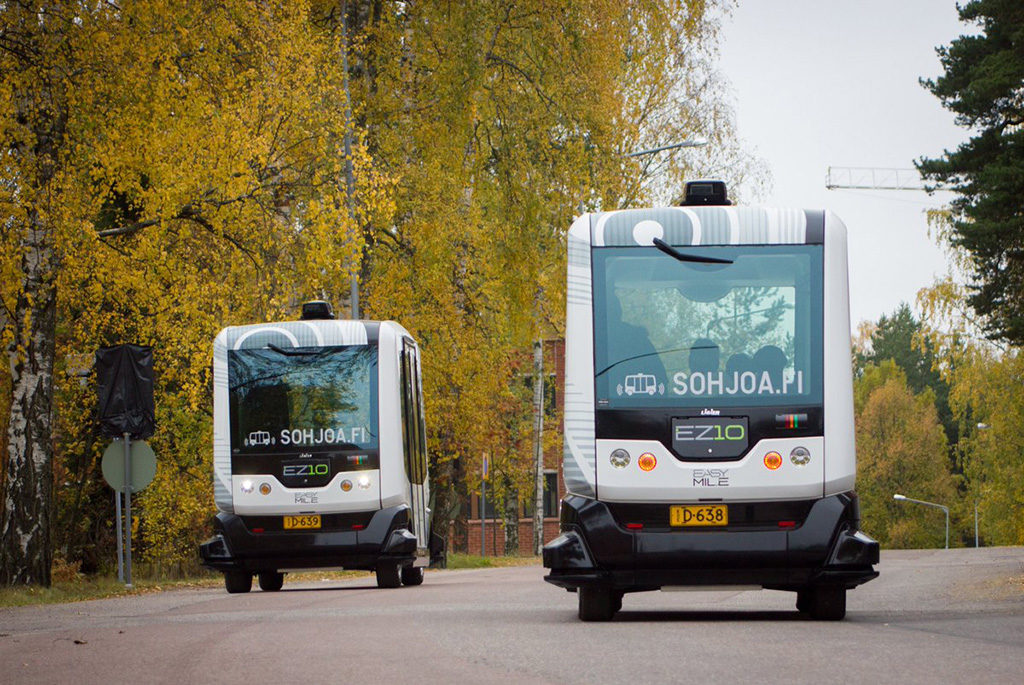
x=320 y=455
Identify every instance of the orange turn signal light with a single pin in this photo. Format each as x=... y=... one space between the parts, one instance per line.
x=773 y=460
x=646 y=462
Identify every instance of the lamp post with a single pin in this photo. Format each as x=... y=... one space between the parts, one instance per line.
x=671 y=146
x=981 y=427
x=901 y=498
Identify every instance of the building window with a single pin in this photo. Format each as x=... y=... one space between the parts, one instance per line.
x=550 y=494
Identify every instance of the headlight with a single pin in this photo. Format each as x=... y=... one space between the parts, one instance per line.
x=619 y=459
x=247 y=486
x=364 y=482
x=800 y=456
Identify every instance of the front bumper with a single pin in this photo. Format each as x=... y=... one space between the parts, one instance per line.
x=238 y=545
x=826 y=548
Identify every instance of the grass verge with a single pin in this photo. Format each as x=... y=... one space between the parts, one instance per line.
x=95 y=587
x=83 y=588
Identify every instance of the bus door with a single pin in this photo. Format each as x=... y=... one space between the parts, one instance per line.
x=414 y=442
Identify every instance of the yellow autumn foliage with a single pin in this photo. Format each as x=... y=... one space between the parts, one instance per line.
x=220 y=164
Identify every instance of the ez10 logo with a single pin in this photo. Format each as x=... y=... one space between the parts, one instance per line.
x=710 y=432
x=305 y=470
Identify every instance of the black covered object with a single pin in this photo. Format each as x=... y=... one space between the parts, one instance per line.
x=124 y=374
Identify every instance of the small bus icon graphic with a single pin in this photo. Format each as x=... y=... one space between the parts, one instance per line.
x=259 y=438
x=641 y=383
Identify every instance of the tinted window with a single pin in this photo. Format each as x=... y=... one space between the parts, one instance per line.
x=303 y=400
x=672 y=333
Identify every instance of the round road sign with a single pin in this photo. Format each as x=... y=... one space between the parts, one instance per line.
x=143 y=464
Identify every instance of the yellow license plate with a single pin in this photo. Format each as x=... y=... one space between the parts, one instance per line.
x=699 y=515
x=297 y=522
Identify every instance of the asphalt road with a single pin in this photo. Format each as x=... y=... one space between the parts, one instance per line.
x=932 y=616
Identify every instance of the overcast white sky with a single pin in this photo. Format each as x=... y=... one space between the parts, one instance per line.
x=821 y=83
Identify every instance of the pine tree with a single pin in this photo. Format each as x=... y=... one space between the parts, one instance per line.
x=982 y=85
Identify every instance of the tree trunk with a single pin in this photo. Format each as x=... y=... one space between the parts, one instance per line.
x=25 y=547
x=512 y=523
x=25 y=537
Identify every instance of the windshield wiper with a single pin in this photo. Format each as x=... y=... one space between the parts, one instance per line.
x=291 y=353
x=673 y=252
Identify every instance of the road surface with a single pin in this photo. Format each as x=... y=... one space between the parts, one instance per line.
x=932 y=616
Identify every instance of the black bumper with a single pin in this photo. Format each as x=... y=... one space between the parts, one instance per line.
x=238 y=545
x=824 y=548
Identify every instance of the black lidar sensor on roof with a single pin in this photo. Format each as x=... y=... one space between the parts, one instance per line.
x=316 y=309
x=705 y=193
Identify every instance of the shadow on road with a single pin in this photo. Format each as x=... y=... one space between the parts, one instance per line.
x=626 y=616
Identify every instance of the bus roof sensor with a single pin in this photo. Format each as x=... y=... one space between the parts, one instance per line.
x=316 y=309
x=705 y=193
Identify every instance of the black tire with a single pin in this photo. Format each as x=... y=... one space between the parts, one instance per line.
x=804 y=598
x=412 y=575
x=236 y=582
x=388 y=575
x=595 y=604
x=828 y=603
x=617 y=601
x=271 y=581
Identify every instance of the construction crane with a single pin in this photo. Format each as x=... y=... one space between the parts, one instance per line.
x=875 y=178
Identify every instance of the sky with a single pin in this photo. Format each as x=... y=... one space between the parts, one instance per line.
x=819 y=83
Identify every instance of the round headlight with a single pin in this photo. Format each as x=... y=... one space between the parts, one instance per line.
x=247 y=486
x=346 y=485
x=264 y=488
x=800 y=456
x=619 y=459
x=364 y=482
x=773 y=460
x=646 y=462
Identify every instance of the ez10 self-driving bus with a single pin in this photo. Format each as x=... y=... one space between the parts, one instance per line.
x=709 y=436
x=319 y=452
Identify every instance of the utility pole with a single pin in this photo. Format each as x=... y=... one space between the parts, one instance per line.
x=538 y=445
x=350 y=181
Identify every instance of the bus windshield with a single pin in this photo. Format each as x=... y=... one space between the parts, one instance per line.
x=671 y=333
x=303 y=400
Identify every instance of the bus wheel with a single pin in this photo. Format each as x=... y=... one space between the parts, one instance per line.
x=271 y=581
x=237 y=581
x=803 y=600
x=828 y=603
x=412 y=575
x=596 y=604
x=388 y=575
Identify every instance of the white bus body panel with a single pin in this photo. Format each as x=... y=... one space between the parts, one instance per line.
x=840 y=446
x=329 y=499
x=578 y=460
x=675 y=481
x=393 y=482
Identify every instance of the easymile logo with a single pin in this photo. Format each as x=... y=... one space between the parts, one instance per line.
x=711 y=478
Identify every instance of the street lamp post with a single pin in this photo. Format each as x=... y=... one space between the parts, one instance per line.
x=670 y=146
x=901 y=498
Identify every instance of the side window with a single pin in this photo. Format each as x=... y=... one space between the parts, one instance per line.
x=413 y=424
x=421 y=421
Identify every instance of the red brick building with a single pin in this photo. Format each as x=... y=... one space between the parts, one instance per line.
x=554 y=486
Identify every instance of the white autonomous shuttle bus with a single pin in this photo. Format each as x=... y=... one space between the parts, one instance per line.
x=709 y=434
x=319 y=452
